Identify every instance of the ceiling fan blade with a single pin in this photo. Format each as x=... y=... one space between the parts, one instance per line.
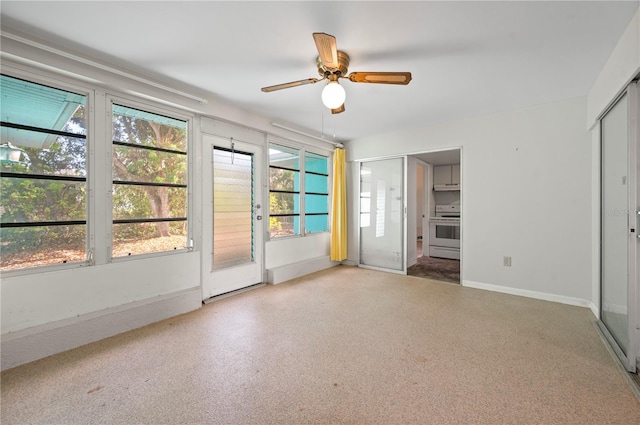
x=338 y=109
x=381 y=77
x=291 y=84
x=327 y=49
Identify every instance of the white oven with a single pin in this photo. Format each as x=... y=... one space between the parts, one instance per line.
x=444 y=232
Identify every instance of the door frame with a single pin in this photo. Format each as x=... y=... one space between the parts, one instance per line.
x=429 y=201
x=236 y=277
x=631 y=359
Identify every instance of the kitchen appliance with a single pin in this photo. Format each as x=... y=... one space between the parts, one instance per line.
x=444 y=232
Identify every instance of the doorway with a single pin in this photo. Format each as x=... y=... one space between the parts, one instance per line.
x=433 y=245
x=619 y=297
x=232 y=216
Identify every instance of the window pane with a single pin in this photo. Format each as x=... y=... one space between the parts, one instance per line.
x=316 y=163
x=284 y=203
x=316 y=184
x=316 y=204
x=284 y=180
x=143 y=165
x=145 y=128
x=144 y=238
x=24 y=247
x=281 y=156
x=27 y=200
x=139 y=202
x=284 y=226
x=156 y=173
x=317 y=223
x=38 y=208
x=44 y=107
x=63 y=156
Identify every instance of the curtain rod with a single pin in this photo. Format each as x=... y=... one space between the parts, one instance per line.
x=98 y=65
x=302 y=133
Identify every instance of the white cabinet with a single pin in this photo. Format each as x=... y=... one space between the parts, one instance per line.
x=446 y=177
x=442 y=175
x=455 y=174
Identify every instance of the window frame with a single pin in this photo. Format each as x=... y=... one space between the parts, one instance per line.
x=302 y=149
x=172 y=113
x=98 y=206
x=73 y=87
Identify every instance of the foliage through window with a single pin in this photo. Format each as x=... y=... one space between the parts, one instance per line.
x=296 y=204
x=149 y=182
x=43 y=175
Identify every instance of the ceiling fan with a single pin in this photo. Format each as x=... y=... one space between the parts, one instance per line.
x=332 y=65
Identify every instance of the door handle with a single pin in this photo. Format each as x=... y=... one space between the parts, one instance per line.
x=259 y=217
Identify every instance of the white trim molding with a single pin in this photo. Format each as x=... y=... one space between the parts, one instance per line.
x=532 y=294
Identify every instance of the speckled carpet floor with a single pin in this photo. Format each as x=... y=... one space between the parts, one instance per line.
x=341 y=346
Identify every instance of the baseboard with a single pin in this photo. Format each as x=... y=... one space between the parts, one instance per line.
x=529 y=294
x=34 y=343
x=291 y=271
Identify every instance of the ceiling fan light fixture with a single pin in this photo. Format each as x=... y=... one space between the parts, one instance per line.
x=333 y=95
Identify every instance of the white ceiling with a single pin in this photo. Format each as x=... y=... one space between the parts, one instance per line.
x=467 y=58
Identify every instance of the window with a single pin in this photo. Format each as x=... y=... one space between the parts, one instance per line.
x=149 y=182
x=43 y=175
x=316 y=193
x=288 y=195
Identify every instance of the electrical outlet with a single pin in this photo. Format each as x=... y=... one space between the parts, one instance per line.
x=507 y=261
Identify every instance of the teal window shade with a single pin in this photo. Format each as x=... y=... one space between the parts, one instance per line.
x=316 y=187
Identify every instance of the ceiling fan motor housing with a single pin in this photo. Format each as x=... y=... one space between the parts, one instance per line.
x=343 y=65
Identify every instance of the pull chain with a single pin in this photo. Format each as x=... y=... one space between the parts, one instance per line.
x=232 y=150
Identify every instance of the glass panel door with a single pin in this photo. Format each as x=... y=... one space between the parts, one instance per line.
x=618 y=233
x=382 y=214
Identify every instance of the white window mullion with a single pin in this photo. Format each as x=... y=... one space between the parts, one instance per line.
x=99 y=178
x=303 y=228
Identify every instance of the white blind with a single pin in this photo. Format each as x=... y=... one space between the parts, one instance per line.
x=232 y=208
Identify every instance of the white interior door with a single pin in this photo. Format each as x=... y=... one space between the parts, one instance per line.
x=383 y=215
x=232 y=240
x=619 y=216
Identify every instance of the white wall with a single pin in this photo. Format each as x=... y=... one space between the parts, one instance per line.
x=621 y=67
x=41 y=298
x=281 y=252
x=527 y=194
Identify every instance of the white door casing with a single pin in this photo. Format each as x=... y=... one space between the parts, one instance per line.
x=222 y=273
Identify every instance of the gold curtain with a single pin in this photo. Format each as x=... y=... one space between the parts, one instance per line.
x=339 y=208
